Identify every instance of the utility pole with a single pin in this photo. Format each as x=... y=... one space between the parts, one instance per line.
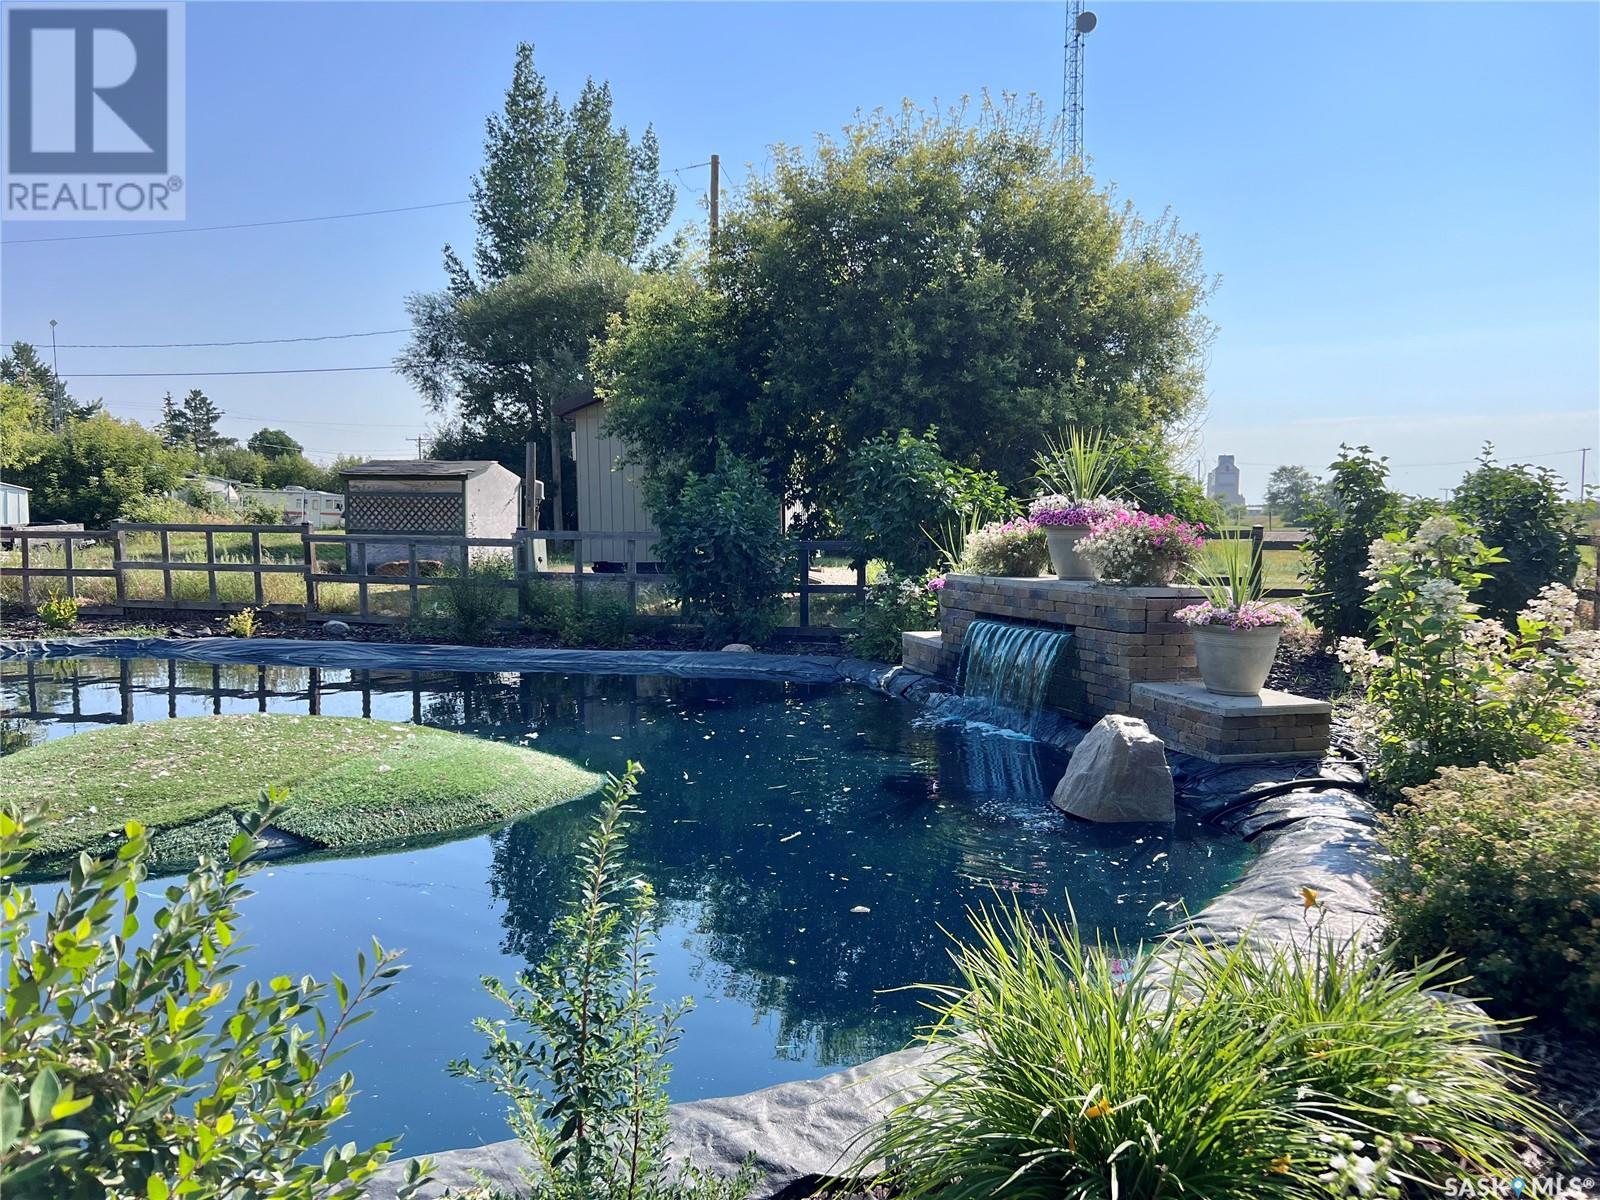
x=716 y=188
x=1583 y=468
x=418 y=440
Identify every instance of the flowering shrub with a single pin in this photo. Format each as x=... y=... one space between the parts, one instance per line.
x=1058 y=511
x=1252 y=614
x=1140 y=549
x=1015 y=547
x=1503 y=870
x=1446 y=688
x=895 y=604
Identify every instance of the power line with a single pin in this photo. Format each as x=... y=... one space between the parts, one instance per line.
x=371 y=212
x=195 y=374
x=325 y=337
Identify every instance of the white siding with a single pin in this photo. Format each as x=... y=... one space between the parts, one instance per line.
x=608 y=498
x=13 y=505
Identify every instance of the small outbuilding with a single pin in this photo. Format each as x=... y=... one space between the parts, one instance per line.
x=13 y=504
x=468 y=498
x=609 y=497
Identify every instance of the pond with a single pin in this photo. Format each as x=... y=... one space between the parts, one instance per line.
x=807 y=842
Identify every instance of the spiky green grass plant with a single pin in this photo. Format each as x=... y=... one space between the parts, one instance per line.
x=1206 y=1072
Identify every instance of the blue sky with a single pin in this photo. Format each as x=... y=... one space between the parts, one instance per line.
x=1402 y=200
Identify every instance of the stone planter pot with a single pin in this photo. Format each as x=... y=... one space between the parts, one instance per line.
x=1235 y=662
x=1064 y=557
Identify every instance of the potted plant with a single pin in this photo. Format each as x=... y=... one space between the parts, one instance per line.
x=1138 y=549
x=1236 y=632
x=1066 y=522
x=1078 y=472
x=1014 y=547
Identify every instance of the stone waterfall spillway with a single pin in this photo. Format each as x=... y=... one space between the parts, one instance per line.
x=1010 y=666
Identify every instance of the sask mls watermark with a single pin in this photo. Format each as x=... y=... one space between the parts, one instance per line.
x=94 y=112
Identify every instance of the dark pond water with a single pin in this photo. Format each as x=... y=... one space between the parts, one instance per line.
x=772 y=814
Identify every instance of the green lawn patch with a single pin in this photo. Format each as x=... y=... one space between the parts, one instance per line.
x=351 y=783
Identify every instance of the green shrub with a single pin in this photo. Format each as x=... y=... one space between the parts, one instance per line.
x=1445 y=688
x=1014 y=547
x=1355 y=509
x=1148 y=476
x=1264 y=1073
x=58 y=610
x=898 y=488
x=729 y=559
x=242 y=624
x=1503 y=869
x=587 y=1088
x=1519 y=511
x=601 y=619
x=894 y=605
x=125 y=1070
x=474 y=598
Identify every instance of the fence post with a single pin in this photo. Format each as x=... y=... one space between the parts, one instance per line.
x=633 y=577
x=211 y=562
x=308 y=556
x=72 y=582
x=255 y=550
x=805 y=585
x=411 y=570
x=1257 y=557
x=361 y=579
x=27 y=562
x=521 y=562
x=166 y=571
x=119 y=552
x=577 y=571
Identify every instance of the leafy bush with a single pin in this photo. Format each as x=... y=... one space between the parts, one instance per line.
x=554 y=608
x=1503 y=869
x=894 y=605
x=1015 y=547
x=242 y=624
x=729 y=559
x=1140 y=549
x=58 y=610
x=125 y=1072
x=95 y=468
x=1354 y=510
x=587 y=1087
x=1265 y=1072
x=474 y=596
x=1148 y=476
x=1519 y=511
x=170 y=510
x=898 y=488
x=1446 y=688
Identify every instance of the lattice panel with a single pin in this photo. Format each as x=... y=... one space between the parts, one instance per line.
x=422 y=512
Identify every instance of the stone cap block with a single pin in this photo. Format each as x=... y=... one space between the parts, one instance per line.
x=1193 y=695
x=1065 y=587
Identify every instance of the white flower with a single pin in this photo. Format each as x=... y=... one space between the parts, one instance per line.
x=1444 y=597
x=1435 y=530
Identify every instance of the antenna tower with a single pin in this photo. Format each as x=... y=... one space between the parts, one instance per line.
x=1079 y=24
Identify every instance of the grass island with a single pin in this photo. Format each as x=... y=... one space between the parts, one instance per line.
x=350 y=783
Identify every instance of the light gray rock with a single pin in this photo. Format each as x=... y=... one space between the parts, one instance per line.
x=738 y=648
x=336 y=629
x=1118 y=772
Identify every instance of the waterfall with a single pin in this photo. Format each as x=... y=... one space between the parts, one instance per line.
x=1010 y=666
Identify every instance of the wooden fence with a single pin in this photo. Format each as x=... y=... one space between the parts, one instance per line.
x=74 y=562
x=321 y=559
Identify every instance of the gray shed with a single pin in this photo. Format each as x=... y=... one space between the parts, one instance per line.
x=608 y=495
x=471 y=498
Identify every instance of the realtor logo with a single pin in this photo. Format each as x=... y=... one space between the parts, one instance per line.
x=94 y=112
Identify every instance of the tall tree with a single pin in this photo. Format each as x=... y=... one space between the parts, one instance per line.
x=199 y=422
x=273 y=443
x=919 y=271
x=23 y=365
x=173 y=426
x=564 y=179
x=1292 y=492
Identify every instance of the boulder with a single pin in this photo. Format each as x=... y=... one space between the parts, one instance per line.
x=738 y=648
x=336 y=629
x=1118 y=772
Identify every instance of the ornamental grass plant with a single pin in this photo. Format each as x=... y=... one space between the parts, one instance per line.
x=1266 y=1071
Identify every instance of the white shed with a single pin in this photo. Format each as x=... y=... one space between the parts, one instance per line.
x=467 y=498
x=13 y=504
x=608 y=495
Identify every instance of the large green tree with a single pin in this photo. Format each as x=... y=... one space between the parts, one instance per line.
x=565 y=202
x=564 y=178
x=95 y=467
x=273 y=443
x=1519 y=510
x=23 y=366
x=1292 y=492
x=917 y=271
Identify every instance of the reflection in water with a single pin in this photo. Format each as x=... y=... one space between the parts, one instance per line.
x=807 y=843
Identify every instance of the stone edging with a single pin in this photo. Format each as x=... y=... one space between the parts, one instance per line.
x=1307 y=820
